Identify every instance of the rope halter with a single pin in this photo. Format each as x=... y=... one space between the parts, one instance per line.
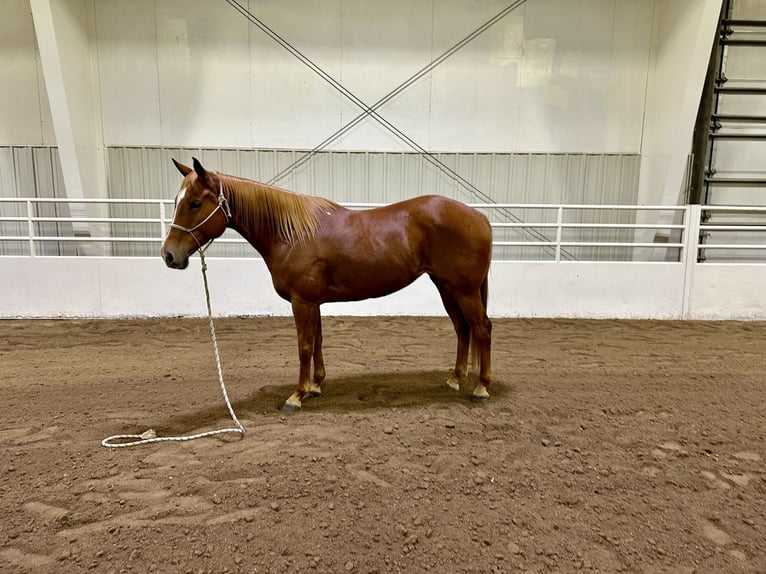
x=223 y=205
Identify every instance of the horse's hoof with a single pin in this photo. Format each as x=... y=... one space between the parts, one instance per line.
x=479 y=400
x=453 y=385
x=314 y=394
x=288 y=408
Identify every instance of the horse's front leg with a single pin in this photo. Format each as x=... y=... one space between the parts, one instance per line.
x=306 y=317
x=319 y=373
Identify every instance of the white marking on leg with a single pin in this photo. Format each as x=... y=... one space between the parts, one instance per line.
x=480 y=392
x=294 y=400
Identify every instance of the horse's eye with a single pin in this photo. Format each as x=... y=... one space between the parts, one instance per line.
x=195 y=204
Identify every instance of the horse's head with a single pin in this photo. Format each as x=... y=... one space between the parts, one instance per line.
x=201 y=215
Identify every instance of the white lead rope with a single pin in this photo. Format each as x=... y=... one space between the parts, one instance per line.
x=150 y=436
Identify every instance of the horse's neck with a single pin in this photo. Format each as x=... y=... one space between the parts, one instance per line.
x=273 y=219
x=254 y=225
x=252 y=233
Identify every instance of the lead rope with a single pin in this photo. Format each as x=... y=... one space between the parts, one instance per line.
x=150 y=435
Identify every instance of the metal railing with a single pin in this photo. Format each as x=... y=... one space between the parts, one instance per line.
x=547 y=232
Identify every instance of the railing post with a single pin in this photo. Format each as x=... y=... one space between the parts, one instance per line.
x=559 y=221
x=689 y=255
x=162 y=220
x=31 y=228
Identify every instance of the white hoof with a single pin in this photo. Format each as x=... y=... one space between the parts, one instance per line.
x=480 y=393
x=293 y=403
x=453 y=383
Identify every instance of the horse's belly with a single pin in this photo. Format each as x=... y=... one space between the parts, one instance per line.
x=365 y=282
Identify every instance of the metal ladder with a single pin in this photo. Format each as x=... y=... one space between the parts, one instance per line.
x=730 y=136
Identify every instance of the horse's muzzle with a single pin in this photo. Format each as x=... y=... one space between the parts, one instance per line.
x=174 y=261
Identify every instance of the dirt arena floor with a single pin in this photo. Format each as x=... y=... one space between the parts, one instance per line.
x=607 y=446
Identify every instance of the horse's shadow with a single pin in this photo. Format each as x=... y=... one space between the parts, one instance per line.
x=353 y=393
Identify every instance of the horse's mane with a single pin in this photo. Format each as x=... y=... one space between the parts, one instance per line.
x=291 y=216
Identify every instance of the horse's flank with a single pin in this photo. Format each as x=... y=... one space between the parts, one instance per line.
x=290 y=216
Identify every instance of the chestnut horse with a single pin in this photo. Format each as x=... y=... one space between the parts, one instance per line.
x=318 y=251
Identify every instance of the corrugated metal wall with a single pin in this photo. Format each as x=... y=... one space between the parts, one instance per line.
x=383 y=177
x=368 y=177
x=33 y=172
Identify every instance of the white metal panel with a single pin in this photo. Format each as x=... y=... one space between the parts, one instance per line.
x=128 y=71
x=630 y=69
x=380 y=49
x=25 y=118
x=537 y=83
x=203 y=67
x=38 y=284
x=533 y=82
x=684 y=31
x=145 y=287
x=722 y=291
x=748 y=9
x=592 y=290
x=292 y=107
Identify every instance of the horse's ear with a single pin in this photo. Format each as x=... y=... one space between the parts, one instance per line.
x=201 y=171
x=210 y=178
x=185 y=170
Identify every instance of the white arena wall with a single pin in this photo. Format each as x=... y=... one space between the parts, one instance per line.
x=92 y=287
x=591 y=101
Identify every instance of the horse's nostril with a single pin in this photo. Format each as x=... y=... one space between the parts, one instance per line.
x=168 y=257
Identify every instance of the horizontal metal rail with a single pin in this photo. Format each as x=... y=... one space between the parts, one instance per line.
x=715 y=227
x=736 y=136
x=88 y=200
x=736 y=181
x=731 y=246
x=586 y=244
x=85 y=239
x=570 y=206
x=710 y=232
x=743 y=42
x=35 y=229
x=747 y=23
x=740 y=118
x=740 y=91
x=86 y=219
x=748 y=208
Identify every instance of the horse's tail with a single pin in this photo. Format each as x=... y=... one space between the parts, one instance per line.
x=484 y=291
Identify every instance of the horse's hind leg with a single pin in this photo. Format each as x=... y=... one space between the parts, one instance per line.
x=315 y=389
x=462 y=330
x=475 y=312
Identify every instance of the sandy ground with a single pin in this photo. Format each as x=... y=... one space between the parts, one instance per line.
x=606 y=446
